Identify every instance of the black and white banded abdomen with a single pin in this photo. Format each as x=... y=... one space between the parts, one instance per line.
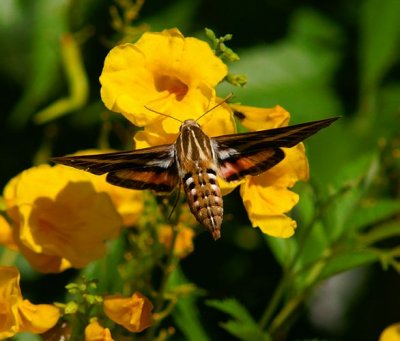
x=204 y=198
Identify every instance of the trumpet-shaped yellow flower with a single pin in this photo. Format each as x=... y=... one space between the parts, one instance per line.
x=168 y=73
x=19 y=315
x=133 y=313
x=266 y=197
x=95 y=332
x=58 y=218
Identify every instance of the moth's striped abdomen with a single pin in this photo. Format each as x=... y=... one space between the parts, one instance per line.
x=204 y=197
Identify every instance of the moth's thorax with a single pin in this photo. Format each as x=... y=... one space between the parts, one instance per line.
x=198 y=172
x=192 y=144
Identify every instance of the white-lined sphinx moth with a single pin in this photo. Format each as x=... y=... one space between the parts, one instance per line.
x=195 y=160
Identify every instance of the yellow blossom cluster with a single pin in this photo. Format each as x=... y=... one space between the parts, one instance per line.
x=60 y=217
x=177 y=76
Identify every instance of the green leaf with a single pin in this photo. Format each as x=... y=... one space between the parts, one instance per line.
x=360 y=169
x=304 y=211
x=293 y=73
x=348 y=260
x=185 y=313
x=370 y=213
x=106 y=269
x=242 y=324
x=315 y=244
x=283 y=249
x=380 y=37
x=49 y=24
x=352 y=180
x=27 y=337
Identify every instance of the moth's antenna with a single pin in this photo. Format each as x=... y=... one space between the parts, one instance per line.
x=226 y=99
x=160 y=113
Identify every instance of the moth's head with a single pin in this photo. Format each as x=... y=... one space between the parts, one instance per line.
x=189 y=123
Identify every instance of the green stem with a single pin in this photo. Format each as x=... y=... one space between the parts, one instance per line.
x=294 y=302
x=168 y=269
x=285 y=313
x=273 y=304
x=280 y=290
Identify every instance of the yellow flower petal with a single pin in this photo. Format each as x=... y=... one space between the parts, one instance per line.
x=37 y=318
x=6 y=237
x=19 y=315
x=41 y=261
x=254 y=118
x=164 y=72
x=280 y=226
x=133 y=313
x=10 y=296
x=128 y=202
x=153 y=136
x=95 y=332
x=219 y=121
x=228 y=187
x=292 y=168
x=266 y=200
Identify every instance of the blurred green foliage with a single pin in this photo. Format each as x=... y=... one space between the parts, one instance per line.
x=316 y=59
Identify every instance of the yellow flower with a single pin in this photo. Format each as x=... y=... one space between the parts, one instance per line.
x=266 y=197
x=165 y=72
x=19 y=315
x=128 y=202
x=133 y=313
x=58 y=218
x=95 y=332
x=391 y=333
